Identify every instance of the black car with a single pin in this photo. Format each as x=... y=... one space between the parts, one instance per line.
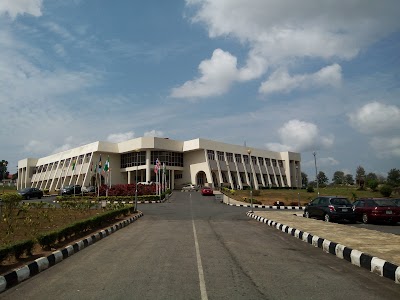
x=71 y=190
x=330 y=208
x=29 y=193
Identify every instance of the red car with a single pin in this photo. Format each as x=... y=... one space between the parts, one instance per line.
x=376 y=209
x=207 y=191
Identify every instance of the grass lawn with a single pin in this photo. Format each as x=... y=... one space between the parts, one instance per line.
x=29 y=222
x=269 y=196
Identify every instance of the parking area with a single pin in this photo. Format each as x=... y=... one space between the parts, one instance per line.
x=375 y=243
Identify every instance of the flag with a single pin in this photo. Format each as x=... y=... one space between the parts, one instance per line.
x=73 y=165
x=107 y=164
x=99 y=170
x=157 y=166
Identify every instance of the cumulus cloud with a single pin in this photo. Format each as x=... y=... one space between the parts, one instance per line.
x=216 y=77
x=281 y=81
x=381 y=122
x=376 y=118
x=120 y=137
x=300 y=136
x=280 y=32
x=154 y=133
x=13 y=8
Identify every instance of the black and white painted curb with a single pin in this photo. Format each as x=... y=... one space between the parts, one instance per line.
x=358 y=258
x=268 y=206
x=17 y=276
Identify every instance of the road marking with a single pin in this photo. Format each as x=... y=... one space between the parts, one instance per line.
x=199 y=266
x=203 y=289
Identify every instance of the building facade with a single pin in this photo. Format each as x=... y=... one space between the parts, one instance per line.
x=198 y=161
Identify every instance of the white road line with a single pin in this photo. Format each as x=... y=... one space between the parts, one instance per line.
x=203 y=289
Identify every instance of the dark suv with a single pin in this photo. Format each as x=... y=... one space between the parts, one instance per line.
x=330 y=208
x=71 y=190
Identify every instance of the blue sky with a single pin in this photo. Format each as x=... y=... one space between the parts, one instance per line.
x=297 y=76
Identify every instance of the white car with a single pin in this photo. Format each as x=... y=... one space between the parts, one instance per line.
x=190 y=187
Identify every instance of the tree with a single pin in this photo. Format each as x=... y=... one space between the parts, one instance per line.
x=322 y=179
x=371 y=180
x=304 y=179
x=338 y=177
x=360 y=176
x=3 y=169
x=348 y=179
x=393 y=177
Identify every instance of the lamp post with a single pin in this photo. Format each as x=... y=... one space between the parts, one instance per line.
x=316 y=172
x=251 y=185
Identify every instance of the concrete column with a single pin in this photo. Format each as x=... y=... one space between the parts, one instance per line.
x=129 y=177
x=148 y=163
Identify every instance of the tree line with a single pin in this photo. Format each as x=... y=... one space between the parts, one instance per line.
x=362 y=179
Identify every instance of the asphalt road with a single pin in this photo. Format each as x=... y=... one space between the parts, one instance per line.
x=193 y=247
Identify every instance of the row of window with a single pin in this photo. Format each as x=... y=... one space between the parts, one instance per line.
x=238 y=158
x=64 y=163
x=131 y=159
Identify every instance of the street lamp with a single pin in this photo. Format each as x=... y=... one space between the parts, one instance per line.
x=316 y=172
x=251 y=186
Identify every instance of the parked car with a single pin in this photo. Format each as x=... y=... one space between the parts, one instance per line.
x=190 y=187
x=330 y=208
x=376 y=209
x=71 y=190
x=207 y=191
x=29 y=193
x=88 y=190
x=397 y=201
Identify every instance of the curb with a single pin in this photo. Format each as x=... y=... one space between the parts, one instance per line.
x=17 y=276
x=268 y=206
x=373 y=264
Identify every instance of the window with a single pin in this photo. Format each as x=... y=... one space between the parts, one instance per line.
x=220 y=156
x=229 y=157
x=87 y=157
x=268 y=161
x=174 y=159
x=280 y=163
x=132 y=159
x=274 y=162
x=178 y=176
x=254 y=160
x=210 y=154
x=246 y=159
x=261 y=161
x=238 y=158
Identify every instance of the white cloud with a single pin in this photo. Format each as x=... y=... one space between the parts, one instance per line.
x=300 y=136
x=20 y=7
x=154 y=133
x=120 y=137
x=386 y=147
x=380 y=122
x=217 y=74
x=376 y=117
x=281 y=81
x=280 y=32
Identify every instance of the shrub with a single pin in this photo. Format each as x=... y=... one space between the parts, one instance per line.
x=386 y=191
x=279 y=203
x=310 y=189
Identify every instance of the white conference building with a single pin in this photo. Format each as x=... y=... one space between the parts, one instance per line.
x=198 y=161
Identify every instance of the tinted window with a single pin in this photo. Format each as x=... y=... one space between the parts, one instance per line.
x=384 y=202
x=340 y=201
